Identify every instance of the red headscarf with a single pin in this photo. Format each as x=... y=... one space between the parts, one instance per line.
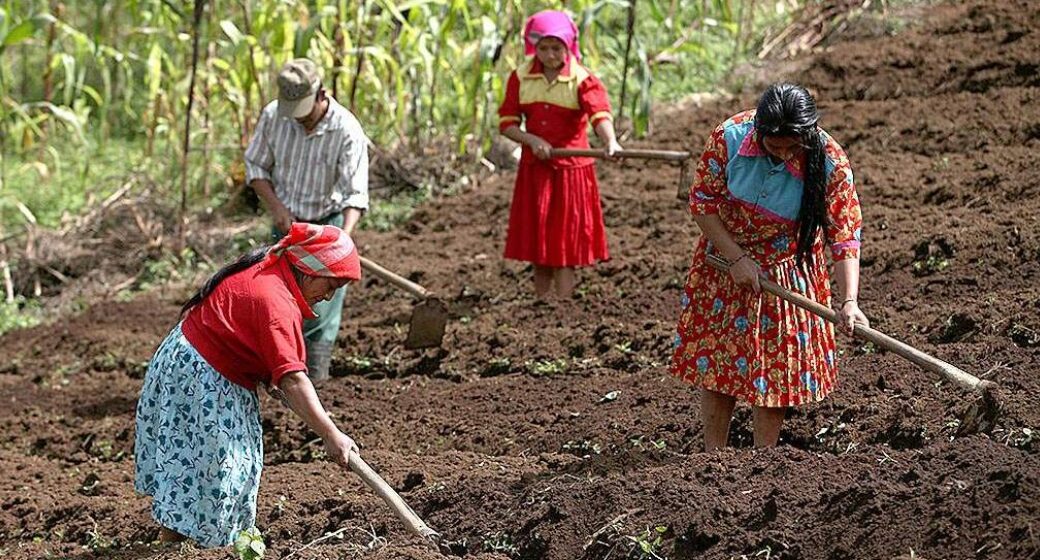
x=551 y=23
x=318 y=250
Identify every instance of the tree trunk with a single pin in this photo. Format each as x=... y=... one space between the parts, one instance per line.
x=182 y=229
x=362 y=12
x=630 y=28
x=339 y=39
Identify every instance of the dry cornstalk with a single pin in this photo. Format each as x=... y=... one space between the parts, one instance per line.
x=5 y=270
x=95 y=212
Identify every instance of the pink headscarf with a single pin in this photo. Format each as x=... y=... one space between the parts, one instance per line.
x=551 y=23
x=318 y=250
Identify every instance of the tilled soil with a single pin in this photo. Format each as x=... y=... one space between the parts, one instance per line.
x=552 y=430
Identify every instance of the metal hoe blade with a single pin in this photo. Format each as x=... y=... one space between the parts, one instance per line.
x=426 y=329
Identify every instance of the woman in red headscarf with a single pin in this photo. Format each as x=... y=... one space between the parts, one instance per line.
x=198 y=447
x=556 y=220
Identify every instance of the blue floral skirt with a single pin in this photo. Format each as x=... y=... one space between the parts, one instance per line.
x=198 y=447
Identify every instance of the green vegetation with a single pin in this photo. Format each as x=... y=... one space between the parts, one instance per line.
x=18 y=314
x=648 y=544
x=92 y=89
x=501 y=543
x=548 y=367
x=250 y=544
x=930 y=264
x=96 y=98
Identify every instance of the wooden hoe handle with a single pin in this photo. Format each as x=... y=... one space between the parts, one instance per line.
x=397 y=280
x=639 y=154
x=405 y=513
x=925 y=361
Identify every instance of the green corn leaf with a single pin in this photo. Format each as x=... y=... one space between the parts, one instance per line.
x=154 y=70
x=19 y=33
x=94 y=95
x=231 y=30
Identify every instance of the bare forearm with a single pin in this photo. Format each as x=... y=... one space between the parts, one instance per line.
x=605 y=131
x=351 y=217
x=265 y=191
x=301 y=398
x=846 y=276
x=717 y=233
x=516 y=135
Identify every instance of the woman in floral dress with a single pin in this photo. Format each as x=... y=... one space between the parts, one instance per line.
x=773 y=195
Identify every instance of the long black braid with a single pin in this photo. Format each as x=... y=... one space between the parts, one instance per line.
x=789 y=110
x=245 y=261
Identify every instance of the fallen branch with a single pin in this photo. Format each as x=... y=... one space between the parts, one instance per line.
x=5 y=269
x=55 y=273
x=811 y=28
x=592 y=539
x=98 y=210
x=338 y=533
x=123 y=285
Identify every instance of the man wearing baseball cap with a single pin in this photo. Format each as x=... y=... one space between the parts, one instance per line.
x=308 y=162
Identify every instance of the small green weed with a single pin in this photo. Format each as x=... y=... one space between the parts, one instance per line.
x=583 y=447
x=866 y=349
x=645 y=444
x=548 y=367
x=19 y=314
x=930 y=265
x=624 y=348
x=501 y=542
x=359 y=364
x=250 y=544
x=648 y=544
x=614 y=542
x=497 y=366
x=96 y=541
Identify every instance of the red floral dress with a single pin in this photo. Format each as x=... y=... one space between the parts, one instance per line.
x=756 y=347
x=556 y=219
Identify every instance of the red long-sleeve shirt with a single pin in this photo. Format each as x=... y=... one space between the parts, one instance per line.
x=250 y=329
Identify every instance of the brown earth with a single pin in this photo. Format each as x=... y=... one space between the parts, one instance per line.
x=504 y=440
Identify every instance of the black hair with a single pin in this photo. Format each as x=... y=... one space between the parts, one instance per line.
x=245 y=261
x=790 y=110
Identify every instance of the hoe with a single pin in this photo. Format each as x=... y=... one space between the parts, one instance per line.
x=682 y=157
x=980 y=416
x=429 y=316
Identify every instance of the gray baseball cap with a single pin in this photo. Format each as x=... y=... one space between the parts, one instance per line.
x=298 y=84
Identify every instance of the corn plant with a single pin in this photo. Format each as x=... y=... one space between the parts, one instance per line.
x=74 y=76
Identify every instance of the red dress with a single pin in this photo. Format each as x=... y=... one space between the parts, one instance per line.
x=556 y=219
x=756 y=347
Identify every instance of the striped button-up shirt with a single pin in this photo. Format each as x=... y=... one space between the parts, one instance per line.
x=314 y=174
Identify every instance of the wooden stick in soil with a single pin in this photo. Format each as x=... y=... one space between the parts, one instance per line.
x=405 y=513
x=950 y=372
x=666 y=155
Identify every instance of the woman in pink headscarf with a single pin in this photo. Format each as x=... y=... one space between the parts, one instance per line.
x=198 y=448
x=556 y=220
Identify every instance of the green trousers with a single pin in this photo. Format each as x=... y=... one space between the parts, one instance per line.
x=320 y=333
